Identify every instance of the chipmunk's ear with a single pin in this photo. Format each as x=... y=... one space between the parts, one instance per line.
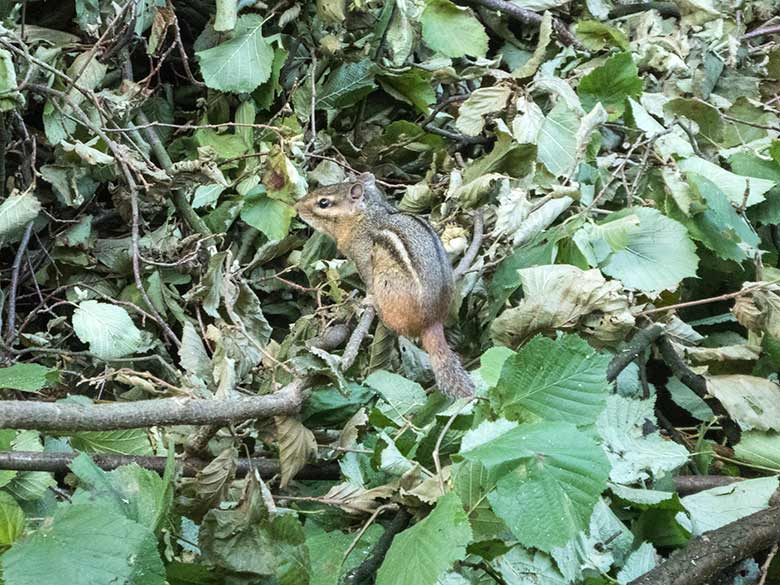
x=367 y=179
x=356 y=191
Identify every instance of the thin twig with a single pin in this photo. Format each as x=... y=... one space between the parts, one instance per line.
x=471 y=253
x=769 y=558
x=440 y=438
x=133 y=192
x=180 y=200
x=365 y=571
x=357 y=337
x=639 y=343
x=17 y=265
x=526 y=16
x=366 y=526
x=698 y=384
x=769 y=30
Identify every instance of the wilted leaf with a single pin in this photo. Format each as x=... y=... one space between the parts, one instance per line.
x=563 y=297
x=297 y=446
x=481 y=103
x=752 y=402
x=192 y=353
x=16 y=212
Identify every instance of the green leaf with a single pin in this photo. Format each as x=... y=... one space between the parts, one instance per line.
x=638 y=563
x=227 y=15
x=635 y=455
x=553 y=380
x=606 y=542
x=108 y=329
x=716 y=507
x=596 y=35
x=413 y=87
x=16 y=212
x=734 y=186
x=85 y=544
x=492 y=362
x=706 y=116
x=347 y=85
x=540 y=467
x=11 y=520
x=520 y=566
x=9 y=96
x=656 y=257
x=611 y=83
x=686 y=398
x=720 y=227
x=88 y=16
x=759 y=448
x=141 y=495
x=402 y=397
x=333 y=407
x=124 y=442
x=452 y=31
x=270 y=216
x=207 y=195
x=28 y=377
x=557 y=140
x=420 y=554
x=327 y=549
x=265 y=94
x=29 y=486
x=643 y=499
x=241 y=64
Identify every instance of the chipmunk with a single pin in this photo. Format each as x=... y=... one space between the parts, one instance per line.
x=402 y=262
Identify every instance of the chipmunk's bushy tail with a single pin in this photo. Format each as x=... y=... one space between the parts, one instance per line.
x=451 y=378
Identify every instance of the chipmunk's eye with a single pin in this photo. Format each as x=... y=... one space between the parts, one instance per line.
x=323 y=203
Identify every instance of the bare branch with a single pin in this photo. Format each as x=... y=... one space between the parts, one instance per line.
x=357 y=337
x=712 y=552
x=50 y=416
x=58 y=462
x=471 y=253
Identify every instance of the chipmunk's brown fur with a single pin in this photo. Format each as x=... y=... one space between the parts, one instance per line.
x=401 y=260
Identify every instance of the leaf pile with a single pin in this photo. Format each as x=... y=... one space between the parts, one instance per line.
x=621 y=319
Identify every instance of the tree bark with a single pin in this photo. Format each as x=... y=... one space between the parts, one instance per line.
x=51 y=416
x=707 y=555
x=58 y=463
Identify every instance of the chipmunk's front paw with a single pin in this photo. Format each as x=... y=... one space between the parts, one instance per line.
x=368 y=301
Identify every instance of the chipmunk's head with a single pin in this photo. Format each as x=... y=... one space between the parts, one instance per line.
x=327 y=208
